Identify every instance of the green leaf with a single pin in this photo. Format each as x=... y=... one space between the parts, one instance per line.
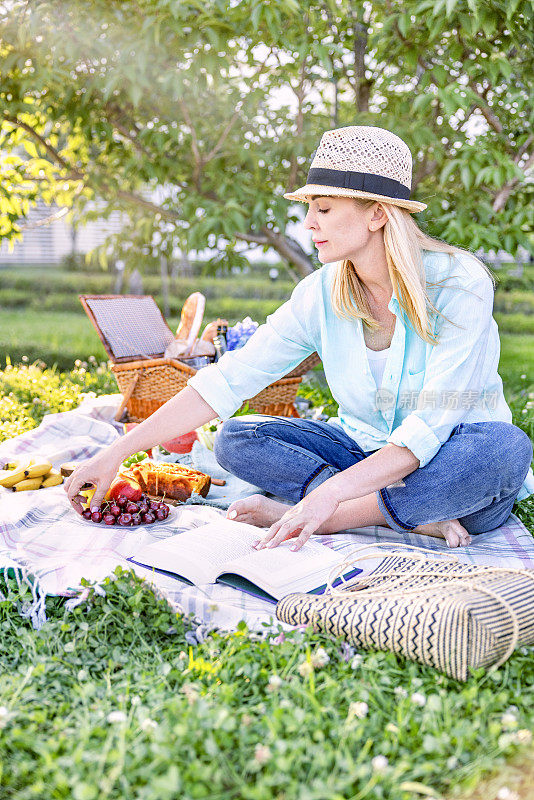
x=403 y=23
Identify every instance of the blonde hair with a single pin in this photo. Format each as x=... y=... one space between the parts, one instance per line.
x=404 y=242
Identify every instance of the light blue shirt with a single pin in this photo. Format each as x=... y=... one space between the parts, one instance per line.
x=426 y=390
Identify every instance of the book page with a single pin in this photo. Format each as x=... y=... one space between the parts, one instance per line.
x=203 y=553
x=279 y=570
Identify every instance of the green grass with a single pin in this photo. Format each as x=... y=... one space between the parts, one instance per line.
x=118 y=701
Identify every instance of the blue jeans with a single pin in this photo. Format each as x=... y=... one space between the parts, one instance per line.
x=475 y=476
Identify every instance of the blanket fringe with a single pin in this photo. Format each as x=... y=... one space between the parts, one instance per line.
x=35 y=610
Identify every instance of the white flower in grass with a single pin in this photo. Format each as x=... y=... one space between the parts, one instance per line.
x=358 y=709
x=418 y=699
x=274 y=683
x=523 y=736
x=262 y=753
x=356 y=661
x=505 y=793
x=305 y=669
x=320 y=658
x=191 y=692
x=5 y=716
x=452 y=762
x=379 y=763
x=148 y=725
x=509 y=720
x=400 y=691
x=116 y=716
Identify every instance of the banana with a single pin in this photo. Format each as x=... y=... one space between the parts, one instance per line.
x=38 y=470
x=88 y=493
x=10 y=477
x=27 y=485
x=52 y=479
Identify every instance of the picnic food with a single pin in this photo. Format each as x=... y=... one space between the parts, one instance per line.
x=191 y=318
x=181 y=444
x=125 y=486
x=210 y=331
x=14 y=472
x=175 y=481
x=125 y=512
x=27 y=474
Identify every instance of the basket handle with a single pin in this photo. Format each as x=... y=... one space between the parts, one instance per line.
x=128 y=393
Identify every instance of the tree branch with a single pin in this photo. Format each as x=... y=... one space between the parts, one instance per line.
x=503 y=194
x=46 y=220
x=194 y=142
x=75 y=175
x=224 y=135
x=254 y=238
x=290 y=250
x=300 y=94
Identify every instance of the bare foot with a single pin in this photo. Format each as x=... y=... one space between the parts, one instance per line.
x=257 y=510
x=454 y=534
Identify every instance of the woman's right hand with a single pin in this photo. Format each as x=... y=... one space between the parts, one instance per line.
x=99 y=471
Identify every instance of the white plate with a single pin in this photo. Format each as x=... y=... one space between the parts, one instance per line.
x=173 y=512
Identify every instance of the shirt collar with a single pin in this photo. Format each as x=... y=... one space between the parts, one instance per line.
x=394 y=304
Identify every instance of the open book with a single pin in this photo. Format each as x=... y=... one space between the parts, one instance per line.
x=223 y=552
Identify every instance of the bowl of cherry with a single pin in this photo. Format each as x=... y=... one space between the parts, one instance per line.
x=128 y=513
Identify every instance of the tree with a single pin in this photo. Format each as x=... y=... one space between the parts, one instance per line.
x=194 y=116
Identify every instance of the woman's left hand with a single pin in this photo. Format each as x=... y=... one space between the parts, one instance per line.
x=301 y=520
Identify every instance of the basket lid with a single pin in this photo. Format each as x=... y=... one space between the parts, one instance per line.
x=130 y=326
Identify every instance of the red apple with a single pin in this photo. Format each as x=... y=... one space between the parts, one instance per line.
x=125 y=486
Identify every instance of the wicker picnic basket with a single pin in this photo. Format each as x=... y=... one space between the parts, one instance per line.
x=135 y=334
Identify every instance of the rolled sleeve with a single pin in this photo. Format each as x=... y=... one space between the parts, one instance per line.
x=417 y=436
x=213 y=387
x=454 y=371
x=276 y=348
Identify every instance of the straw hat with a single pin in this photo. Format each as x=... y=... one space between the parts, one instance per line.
x=361 y=161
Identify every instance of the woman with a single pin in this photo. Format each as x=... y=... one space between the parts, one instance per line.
x=403 y=324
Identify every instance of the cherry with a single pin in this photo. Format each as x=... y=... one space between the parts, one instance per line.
x=124 y=519
x=96 y=516
x=154 y=505
x=166 y=512
x=143 y=507
x=160 y=514
x=136 y=519
x=122 y=501
x=109 y=519
x=114 y=509
x=131 y=507
x=87 y=513
x=148 y=518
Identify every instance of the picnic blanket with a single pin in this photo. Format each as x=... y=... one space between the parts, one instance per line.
x=51 y=547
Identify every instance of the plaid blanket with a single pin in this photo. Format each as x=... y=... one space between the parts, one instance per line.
x=48 y=545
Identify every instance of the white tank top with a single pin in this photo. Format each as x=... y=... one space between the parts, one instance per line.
x=377 y=363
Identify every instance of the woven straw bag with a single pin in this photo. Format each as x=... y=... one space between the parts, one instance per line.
x=450 y=616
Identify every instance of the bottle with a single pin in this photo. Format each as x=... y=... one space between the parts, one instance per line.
x=219 y=341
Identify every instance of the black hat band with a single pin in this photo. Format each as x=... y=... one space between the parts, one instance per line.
x=360 y=181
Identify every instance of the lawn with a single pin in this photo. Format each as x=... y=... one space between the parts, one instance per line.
x=123 y=699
